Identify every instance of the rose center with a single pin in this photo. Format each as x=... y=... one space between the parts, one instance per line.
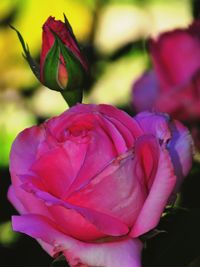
x=77 y=133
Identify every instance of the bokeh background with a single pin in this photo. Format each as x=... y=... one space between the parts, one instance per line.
x=113 y=34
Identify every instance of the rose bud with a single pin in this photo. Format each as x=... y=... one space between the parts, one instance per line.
x=91 y=181
x=173 y=86
x=62 y=65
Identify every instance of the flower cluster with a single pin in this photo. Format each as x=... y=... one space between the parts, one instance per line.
x=173 y=84
x=91 y=181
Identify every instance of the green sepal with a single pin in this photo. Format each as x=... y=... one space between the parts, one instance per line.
x=73 y=91
x=50 y=68
x=76 y=73
x=75 y=70
x=72 y=97
x=69 y=28
x=33 y=65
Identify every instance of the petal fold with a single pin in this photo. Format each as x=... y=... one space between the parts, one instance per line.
x=125 y=252
x=156 y=201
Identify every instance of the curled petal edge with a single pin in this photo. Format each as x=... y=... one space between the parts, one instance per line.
x=124 y=252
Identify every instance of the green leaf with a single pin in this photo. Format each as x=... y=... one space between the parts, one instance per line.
x=33 y=65
x=180 y=245
x=59 y=262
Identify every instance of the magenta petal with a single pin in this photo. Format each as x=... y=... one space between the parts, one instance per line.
x=168 y=63
x=23 y=154
x=105 y=223
x=181 y=151
x=123 y=174
x=24 y=150
x=15 y=201
x=156 y=124
x=114 y=135
x=39 y=227
x=55 y=170
x=156 y=201
x=125 y=252
x=124 y=118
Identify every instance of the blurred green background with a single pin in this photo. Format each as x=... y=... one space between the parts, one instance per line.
x=113 y=35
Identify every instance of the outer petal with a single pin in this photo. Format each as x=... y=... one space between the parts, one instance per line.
x=20 y=208
x=145 y=91
x=155 y=124
x=175 y=137
x=23 y=154
x=107 y=224
x=125 y=252
x=15 y=201
x=24 y=150
x=181 y=151
x=180 y=144
x=160 y=191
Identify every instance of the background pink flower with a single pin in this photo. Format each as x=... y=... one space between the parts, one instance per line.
x=174 y=83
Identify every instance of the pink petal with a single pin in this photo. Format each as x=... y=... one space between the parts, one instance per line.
x=15 y=201
x=156 y=124
x=125 y=252
x=180 y=144
x=156 y=201
x=115 y=136
x=100 y=151
x=181 y=102
x=74 y=224
x=168 y=63
x=24 y=150
x=121 y=175
x=20 y=208
x=23 y=154
x=146 y=157
x=85 y=139
x=55 y=170
x=145 y=91
x=124 y=118
x=105 y=223
x=125 y=132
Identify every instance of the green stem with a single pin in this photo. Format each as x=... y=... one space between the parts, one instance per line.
x=72 y=97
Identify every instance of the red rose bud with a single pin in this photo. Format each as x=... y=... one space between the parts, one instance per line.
x=62 y=66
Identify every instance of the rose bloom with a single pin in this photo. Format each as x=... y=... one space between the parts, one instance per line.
x=89 y=182
x=173 y=86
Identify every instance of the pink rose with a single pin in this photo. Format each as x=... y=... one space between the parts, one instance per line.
x=173 y=85
x=89 y=182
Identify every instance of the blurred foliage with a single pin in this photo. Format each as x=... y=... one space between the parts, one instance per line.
x=113 y=34
x=108 y=31
x=7 y=236
x=14 y=118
